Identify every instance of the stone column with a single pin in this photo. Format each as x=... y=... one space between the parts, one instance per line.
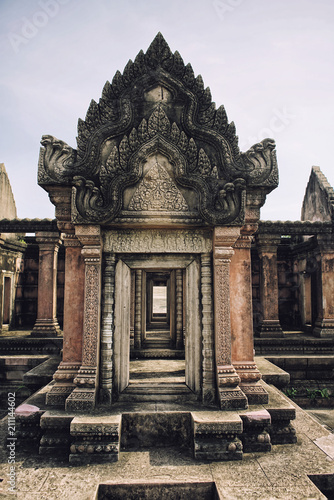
x=132 y=309
x=324 y=325
x=242 y=320
x=107 y=329
x=179 y=309
x=267 y=248
x=47 y=324
x=209 y=390
x=84 y=395
x=73 y=322
x=138 y=308
x=230 y=395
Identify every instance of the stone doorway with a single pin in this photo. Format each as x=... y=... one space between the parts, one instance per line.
x=161 y=306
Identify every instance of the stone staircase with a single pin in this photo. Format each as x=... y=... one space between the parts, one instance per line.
x=157 y=339
x=157 y=380
x=157 y=392
x=157 y=345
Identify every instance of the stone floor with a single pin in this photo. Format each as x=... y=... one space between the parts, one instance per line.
x=280 y=474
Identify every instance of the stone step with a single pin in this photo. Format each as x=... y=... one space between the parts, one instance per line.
x=157 y=353
x=157 y=344
x=175 y=392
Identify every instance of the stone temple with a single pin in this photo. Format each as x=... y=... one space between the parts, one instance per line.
x=158 y=255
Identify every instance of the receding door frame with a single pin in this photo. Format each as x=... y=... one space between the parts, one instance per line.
x=193 y=335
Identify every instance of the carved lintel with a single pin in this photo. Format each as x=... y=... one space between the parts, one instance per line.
x=157 y=240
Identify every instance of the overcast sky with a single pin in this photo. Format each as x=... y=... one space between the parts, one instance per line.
x=270 y=62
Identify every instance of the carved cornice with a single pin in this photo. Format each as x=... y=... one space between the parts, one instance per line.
x=294 y=227
x=27 y=225
x=157 y=105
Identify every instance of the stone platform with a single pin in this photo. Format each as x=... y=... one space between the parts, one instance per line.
x=283 y=473
x=206 y=432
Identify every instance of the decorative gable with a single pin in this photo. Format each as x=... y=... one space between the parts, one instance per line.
x=157 y=107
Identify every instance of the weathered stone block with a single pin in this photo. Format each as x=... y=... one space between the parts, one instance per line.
x=56 y=436
x=217 y=435
x=95 y=439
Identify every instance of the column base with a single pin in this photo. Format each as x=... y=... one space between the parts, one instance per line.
x=324 y=328
x=58 y=394
x=256 y=394
x=46 y=328
x=64 y=384
x=270 y=328
x=249 y=382
x=105 y=396
x=232 y=399
x=230 y=395
x=81 y=399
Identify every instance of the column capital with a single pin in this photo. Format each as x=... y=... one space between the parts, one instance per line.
x=88 y=235
x=70 y=240
x=225 y=236
x=48 y=238
x=61 y=196
x=267 y=243
x=243 y=242
x=326 y=243
x=255 y=199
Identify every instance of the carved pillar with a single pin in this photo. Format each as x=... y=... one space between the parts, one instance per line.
x=47 y=324
x=73 y=322
x=209 y=390
x=179 y=309
x=84 y=395
x=132 y=310
x=230 y=395
x=107 y=329
x=242 y=320
x=138 y=308
x=267 y=249
x=324 y=324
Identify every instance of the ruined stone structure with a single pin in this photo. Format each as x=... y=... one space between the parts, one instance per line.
x=158 y=199
x=11 y=254
x=157 y=185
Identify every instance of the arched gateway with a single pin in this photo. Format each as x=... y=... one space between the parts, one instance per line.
x=157 y=193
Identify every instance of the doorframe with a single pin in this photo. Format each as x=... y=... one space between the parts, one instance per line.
x=193 y=334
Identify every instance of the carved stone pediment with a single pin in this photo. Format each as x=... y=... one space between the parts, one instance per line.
x=157 y=107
